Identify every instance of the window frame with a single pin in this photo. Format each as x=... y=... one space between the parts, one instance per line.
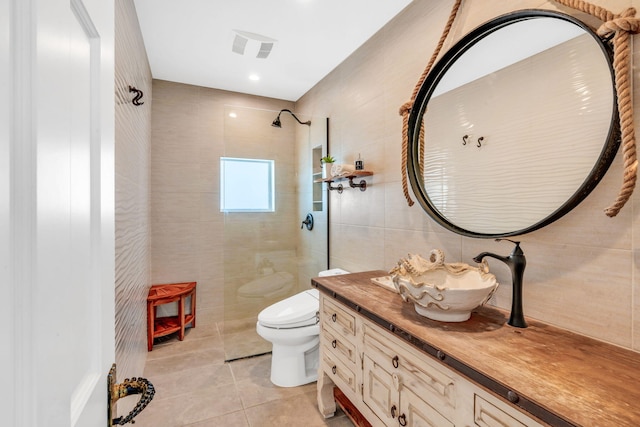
x=225 y=162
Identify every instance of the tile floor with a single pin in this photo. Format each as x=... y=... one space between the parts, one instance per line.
x=196 y=388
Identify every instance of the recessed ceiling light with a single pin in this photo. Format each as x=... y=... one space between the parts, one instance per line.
x=233 y=115
x=254 y=77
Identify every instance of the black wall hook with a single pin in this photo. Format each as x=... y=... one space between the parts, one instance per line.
x=138 y=97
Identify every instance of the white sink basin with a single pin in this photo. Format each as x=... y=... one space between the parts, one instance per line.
x=440 y=291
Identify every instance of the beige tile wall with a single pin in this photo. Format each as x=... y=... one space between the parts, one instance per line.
x=250 y=238
x=582 y=270
x=187 y=228
x=132 y=151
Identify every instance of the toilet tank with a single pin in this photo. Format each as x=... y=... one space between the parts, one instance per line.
x=332 y=272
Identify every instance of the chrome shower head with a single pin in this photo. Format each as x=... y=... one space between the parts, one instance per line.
x=276 y=123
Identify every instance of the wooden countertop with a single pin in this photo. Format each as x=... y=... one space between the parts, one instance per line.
x=559 y=377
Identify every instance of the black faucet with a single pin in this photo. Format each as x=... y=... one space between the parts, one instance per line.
x=516 y=262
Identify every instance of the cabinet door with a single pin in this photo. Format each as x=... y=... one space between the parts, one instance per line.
x=415 y=412
x=425 y=378
x=380 y=391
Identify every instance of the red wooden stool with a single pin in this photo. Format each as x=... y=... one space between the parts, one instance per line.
x=165 y=294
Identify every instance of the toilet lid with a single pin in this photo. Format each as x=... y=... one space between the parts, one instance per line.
x=293 y=312
x=265 y=286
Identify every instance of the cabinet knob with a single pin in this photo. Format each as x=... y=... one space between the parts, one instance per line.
x=394 y=361
x=334 y=369
x=402 y=420
x=334 y=343
x=393 y=411
x=334 y=317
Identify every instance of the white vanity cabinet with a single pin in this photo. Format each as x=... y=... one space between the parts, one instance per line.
x=398 y=368
x=392 y=383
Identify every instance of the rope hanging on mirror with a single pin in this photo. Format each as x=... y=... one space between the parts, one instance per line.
x=406 y=107
x=623 y=25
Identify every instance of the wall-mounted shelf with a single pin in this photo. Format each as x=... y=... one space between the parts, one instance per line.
x=362 y=185
x=316 y=178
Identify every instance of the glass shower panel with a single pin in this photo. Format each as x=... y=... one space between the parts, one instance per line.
x=313 y=198
x=266 y=257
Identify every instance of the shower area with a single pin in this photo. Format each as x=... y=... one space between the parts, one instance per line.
x=268 y=186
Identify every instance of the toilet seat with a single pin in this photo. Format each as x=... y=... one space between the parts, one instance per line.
x=297 y=311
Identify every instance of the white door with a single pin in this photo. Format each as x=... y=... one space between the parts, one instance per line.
x=57 y=218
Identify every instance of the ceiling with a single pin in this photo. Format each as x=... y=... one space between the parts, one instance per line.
x=190 y=41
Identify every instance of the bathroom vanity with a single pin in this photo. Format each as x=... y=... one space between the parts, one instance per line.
x=399 y=368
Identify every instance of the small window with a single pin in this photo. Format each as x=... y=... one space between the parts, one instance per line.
x=246 y=185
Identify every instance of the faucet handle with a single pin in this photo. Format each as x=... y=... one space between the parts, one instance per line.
x=517 y=250
x=509 y=240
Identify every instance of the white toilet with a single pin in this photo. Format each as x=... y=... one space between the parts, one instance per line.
x=291 y=325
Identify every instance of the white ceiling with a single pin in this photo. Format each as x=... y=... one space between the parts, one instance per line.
x=190 y=41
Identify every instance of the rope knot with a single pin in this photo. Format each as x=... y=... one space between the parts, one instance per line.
x=626 y=21
x=405 y=109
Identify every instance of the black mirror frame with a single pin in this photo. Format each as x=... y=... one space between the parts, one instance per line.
x=607 y=154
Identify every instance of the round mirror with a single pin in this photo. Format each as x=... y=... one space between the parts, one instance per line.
x=520 y=124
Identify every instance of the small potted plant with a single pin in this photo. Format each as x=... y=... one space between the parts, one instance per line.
x=327 y=162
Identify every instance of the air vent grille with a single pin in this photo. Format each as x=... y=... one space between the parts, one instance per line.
x=239 y=44
x=265 y=50
x=247 y=43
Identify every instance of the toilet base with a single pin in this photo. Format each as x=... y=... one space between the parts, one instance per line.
x=293 y=366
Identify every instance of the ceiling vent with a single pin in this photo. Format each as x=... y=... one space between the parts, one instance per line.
x=247 y=43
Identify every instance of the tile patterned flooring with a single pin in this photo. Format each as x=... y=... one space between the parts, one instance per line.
x=196 y=388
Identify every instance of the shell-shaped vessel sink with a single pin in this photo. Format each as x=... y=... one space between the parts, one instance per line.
x=441 y=291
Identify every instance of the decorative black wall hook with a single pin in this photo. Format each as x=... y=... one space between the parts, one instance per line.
x=480 y=141
x=138 y=97
x=465 y=139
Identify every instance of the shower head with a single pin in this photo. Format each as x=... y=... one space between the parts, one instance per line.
x=276 y=123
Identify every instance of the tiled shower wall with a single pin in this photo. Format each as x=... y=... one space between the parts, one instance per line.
x=132 y=156
x=582 y=271
x=187 y=231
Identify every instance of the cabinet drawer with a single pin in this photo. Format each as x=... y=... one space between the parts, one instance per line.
x=338 y=317
x=336 y=344
x=430 y=383
x=339 y=373
x=414 y=411
x=488 y=415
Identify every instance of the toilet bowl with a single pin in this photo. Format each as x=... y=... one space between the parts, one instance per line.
x=292 y=326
